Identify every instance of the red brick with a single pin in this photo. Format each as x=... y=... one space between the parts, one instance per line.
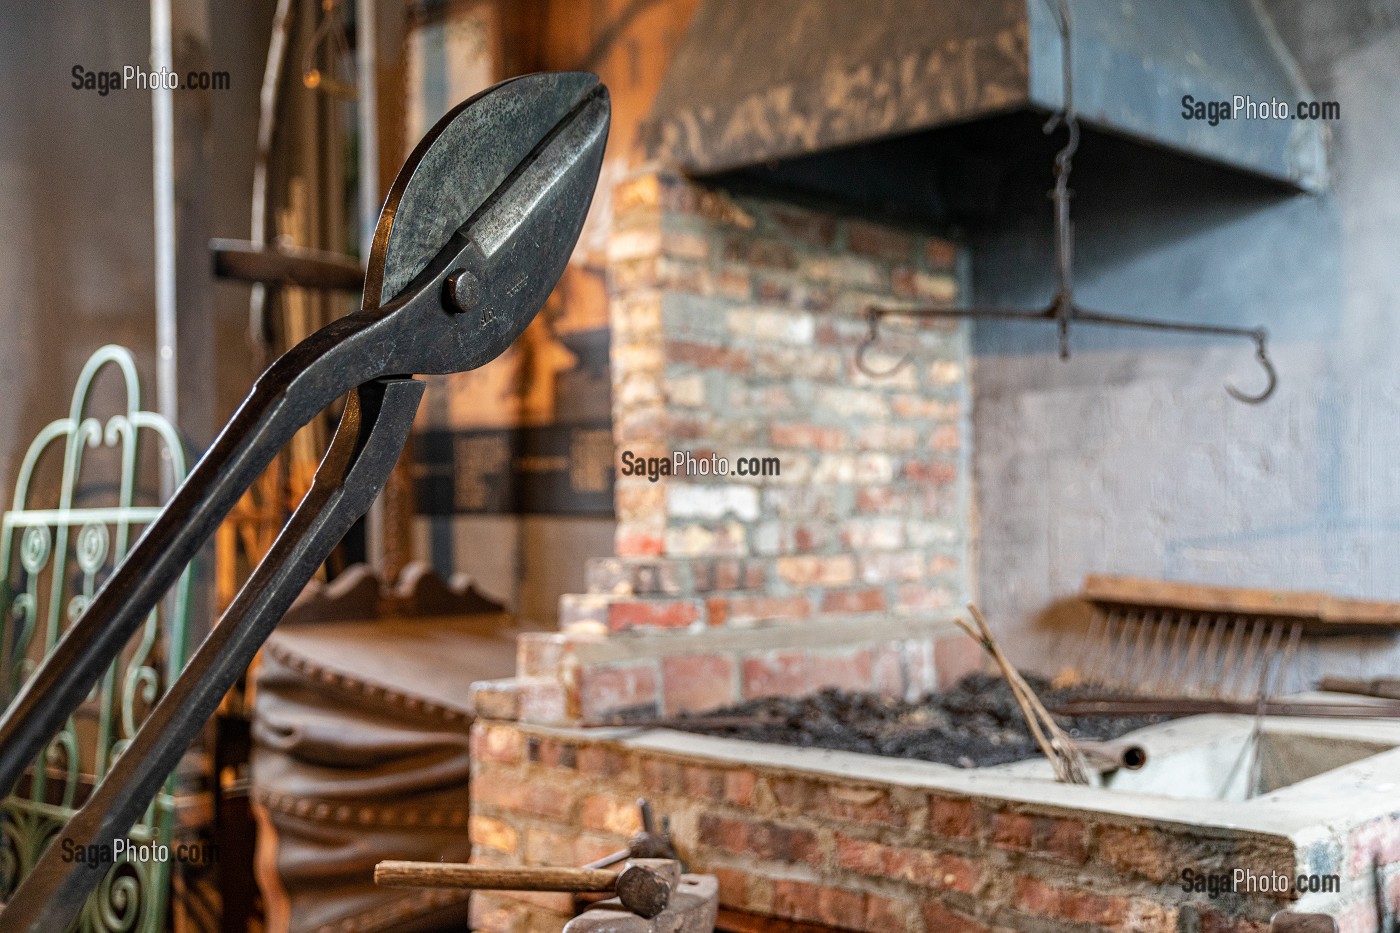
x=954 y=657
x=662 y=776
x=502 y=744
x=886 y=914
x=795 y=900
x=841 y=908
x=608 y=688
x=493 y=834
x=854 y=804
x=703 y=783
x=953 y=818
x=882 y=242
x=806 y=436
x=1014 y=831
x=940 y=472
x=552 y=753
x=913 y=597
x=867 y=600
x=1213 y=921
x=696 y=682
x=761 y=839
x=1037 y=897
x=733 y=886
x=638 y=543
x=1374 y=843
x=605 y=813
x=652 y=613
x=956 y=873
x=507 y=791
x=1065 y=839
x=708 y=356
x=810 y=569
x=860 y=855
x=945 y=438
x=739 y=787
x=817 y=228
x=755 y=251
x=939 y=918
x=941 y=255
x=729 y=574
x=777 y=673
x=746 y=610
x=1135 y=851
x=603 y=761
x=847 y=670
x=1019 y=832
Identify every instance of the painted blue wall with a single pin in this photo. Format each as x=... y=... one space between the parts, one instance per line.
x=1130 y=458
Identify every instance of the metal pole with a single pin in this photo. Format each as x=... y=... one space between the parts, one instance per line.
x=163 y=139
x=367 y=102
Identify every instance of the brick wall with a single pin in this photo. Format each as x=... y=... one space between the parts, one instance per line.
x=734 y=326
x=856 y=855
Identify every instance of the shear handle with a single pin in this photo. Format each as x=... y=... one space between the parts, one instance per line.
x=292 y=391
x=366 y=445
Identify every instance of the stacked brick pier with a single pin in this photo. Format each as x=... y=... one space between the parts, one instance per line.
x=735 y=322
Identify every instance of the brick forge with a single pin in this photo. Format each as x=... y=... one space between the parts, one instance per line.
x=836 y=841
x=734 y=325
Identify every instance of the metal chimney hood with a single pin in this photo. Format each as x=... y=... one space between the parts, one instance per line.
x=758 y=82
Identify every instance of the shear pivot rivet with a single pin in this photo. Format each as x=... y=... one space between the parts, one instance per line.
x=463 y=291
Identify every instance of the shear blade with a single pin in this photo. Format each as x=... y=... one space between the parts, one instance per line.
x=458 y=165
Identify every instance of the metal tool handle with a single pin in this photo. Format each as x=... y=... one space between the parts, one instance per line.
x=362 y=454
x=287 y=396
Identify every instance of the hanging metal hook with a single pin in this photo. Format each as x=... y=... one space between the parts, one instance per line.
x=873 y=315
x=1261 y=353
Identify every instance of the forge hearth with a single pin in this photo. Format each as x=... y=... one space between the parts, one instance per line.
x=848 y=841
x=975 y=723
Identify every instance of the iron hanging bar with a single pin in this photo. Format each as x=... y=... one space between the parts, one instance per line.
x=1062 y=310
x=1074 y=313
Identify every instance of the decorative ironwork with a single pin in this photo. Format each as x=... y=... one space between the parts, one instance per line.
x=54 y=560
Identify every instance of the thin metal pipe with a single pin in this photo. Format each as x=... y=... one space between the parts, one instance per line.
x=163 y=182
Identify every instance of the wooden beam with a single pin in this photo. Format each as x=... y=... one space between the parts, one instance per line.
x=245 y=261
x=1319 y=609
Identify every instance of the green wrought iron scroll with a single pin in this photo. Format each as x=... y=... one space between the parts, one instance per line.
x=54 y=559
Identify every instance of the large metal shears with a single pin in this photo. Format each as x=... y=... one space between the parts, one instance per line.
x=473 y=236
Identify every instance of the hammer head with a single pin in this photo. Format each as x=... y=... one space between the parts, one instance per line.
x=644 y=886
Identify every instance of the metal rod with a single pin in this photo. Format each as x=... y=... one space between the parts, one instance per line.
x=163 y=143
x=1130 y=705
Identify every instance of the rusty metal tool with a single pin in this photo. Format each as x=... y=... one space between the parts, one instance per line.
x=650 y=842
x=473 y=236
x=1188 y=641
x=643 y=886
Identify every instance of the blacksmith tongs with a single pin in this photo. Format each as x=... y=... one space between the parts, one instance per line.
x=473 y=236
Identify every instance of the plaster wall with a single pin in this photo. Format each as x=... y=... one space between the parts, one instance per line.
x=1130 y=458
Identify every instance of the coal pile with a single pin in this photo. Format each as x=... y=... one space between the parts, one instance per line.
x=974 y=724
